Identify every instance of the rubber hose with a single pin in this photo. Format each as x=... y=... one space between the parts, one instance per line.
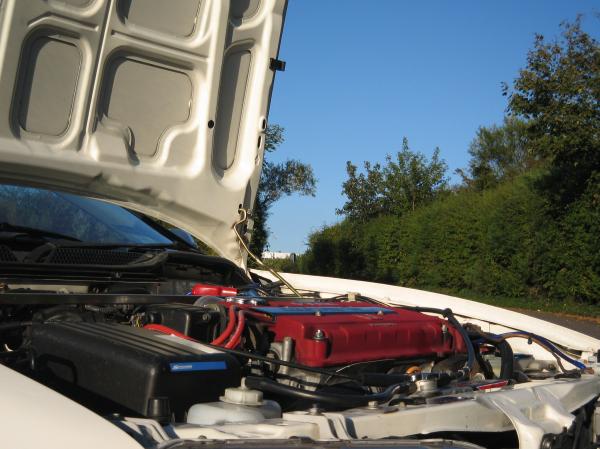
x=14 y=325
x=449 y=315
x=507 y=364
x=340 y=400
x=468 y=368
x=507 y=358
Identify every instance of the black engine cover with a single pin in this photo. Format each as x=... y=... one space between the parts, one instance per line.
x=117 y=368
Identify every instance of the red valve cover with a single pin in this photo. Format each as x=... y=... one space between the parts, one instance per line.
x=336 y=334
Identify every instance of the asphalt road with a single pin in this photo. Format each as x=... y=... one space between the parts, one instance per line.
x=585 y=326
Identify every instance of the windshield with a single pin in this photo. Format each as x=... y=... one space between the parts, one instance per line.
x=85 y=219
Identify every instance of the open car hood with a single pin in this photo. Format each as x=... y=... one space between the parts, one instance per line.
x=158 y=106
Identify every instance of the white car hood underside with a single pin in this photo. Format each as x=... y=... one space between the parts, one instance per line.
x=158 y=106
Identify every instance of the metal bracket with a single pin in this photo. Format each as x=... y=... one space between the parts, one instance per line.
x=533 y=421
x=277 y=65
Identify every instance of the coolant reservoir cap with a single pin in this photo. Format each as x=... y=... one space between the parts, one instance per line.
x=242 y=395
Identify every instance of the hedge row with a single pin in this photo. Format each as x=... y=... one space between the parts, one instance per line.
x=502 y=242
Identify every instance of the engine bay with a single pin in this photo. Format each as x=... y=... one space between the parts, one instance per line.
x=149 y=360
x=242 y=353
x=334 y=352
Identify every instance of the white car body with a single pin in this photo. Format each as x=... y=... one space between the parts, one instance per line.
x=162 y=107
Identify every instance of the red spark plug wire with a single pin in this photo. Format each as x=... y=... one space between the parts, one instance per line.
x=166 y=330
x=228 y=330
x=236 y=338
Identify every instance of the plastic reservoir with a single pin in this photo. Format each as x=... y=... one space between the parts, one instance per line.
x=238 y=405
x=215 y=413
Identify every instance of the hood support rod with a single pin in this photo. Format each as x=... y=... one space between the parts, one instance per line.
x=243 y=219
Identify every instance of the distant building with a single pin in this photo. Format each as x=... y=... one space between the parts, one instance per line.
x=279 y=255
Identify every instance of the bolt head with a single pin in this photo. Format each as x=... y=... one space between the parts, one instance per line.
x=319 y=335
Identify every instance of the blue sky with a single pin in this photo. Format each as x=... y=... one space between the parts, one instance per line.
x=362 y=74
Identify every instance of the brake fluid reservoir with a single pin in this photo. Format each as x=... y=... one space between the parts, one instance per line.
x=238 y=405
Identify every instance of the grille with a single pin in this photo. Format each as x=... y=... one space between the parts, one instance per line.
x=92 y=256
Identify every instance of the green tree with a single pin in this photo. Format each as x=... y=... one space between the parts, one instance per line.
x=411 y=180
x=558 y=95
x=498 y=153
x=364 y=192
x=402 y=184
x=277 y=179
